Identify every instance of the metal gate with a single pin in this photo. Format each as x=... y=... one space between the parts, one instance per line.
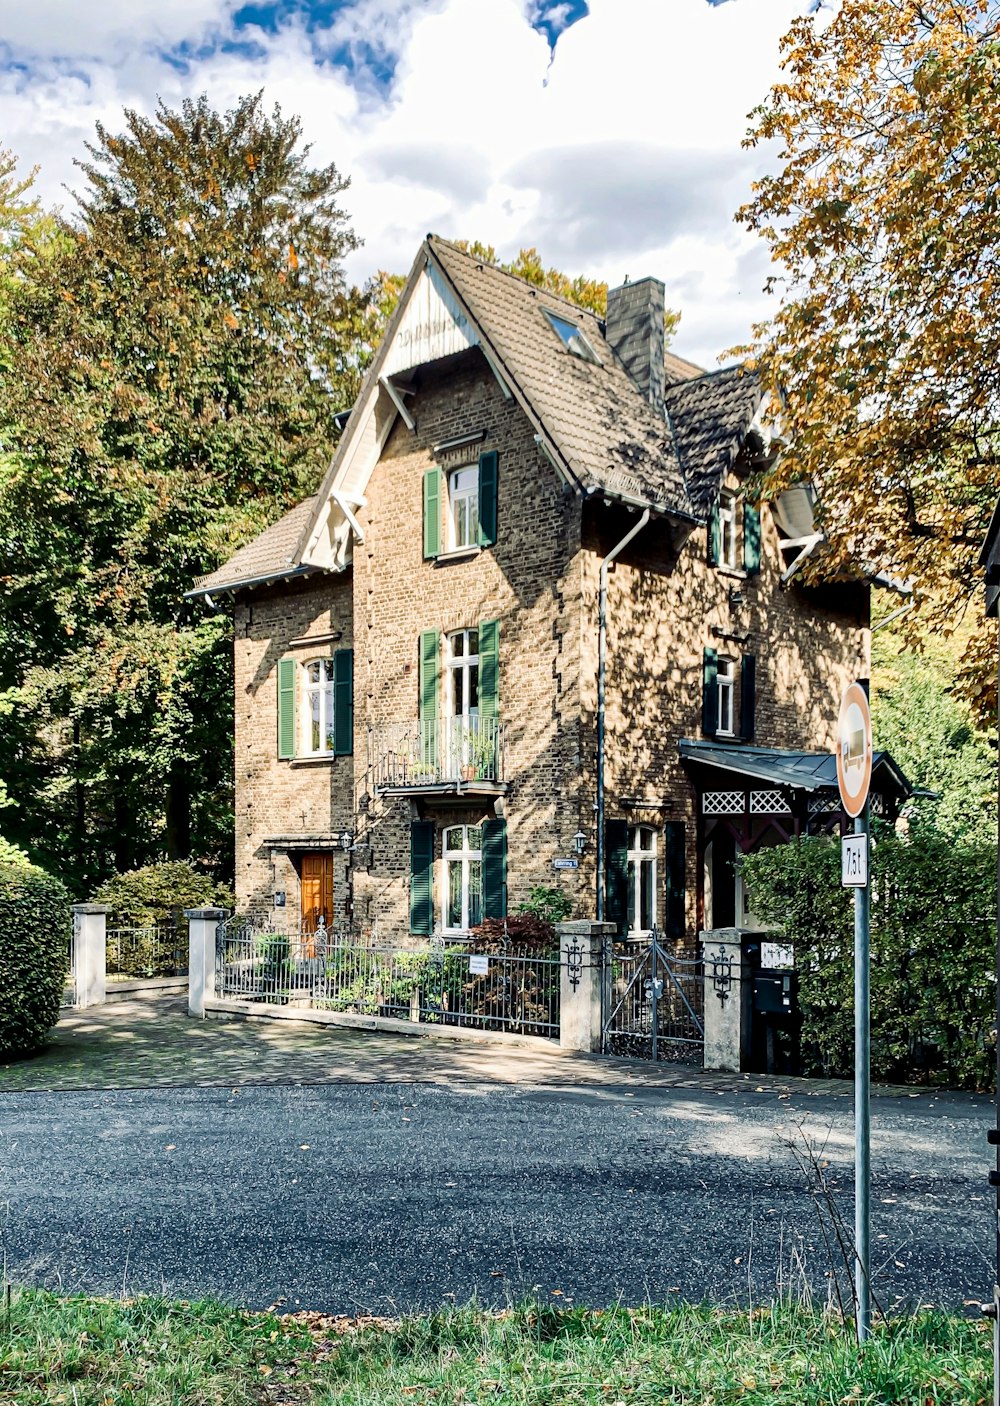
x=656 y=1002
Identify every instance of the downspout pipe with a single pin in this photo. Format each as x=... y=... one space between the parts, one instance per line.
x=602 y=670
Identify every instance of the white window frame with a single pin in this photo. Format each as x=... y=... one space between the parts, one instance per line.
x=725 y=696
x=468 y=495
x=465 y=856
x=466 y=665
x=728 y=515
x=318 y=691
x=643 y=853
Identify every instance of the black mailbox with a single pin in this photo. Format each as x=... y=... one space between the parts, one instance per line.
x=774 y=993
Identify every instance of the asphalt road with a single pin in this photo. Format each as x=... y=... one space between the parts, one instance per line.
x=390 y=1197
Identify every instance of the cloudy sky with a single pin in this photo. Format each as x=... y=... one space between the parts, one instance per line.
x=605 y=132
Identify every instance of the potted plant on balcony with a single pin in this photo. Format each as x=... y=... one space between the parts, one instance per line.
x=482 y=757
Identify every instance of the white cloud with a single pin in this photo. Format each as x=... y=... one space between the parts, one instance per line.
x=626 y=162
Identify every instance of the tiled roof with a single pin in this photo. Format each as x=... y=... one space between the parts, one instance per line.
x=675 y=369
x=710 y=416
x=268 y=557
x=608 y=434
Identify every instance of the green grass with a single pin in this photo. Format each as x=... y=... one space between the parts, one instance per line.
x=87 y=1352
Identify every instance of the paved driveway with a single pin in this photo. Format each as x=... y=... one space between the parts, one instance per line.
x=350 y=1171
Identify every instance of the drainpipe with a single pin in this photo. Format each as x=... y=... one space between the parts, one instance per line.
x=602 y=666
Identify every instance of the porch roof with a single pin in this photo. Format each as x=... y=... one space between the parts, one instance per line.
x=802 y=771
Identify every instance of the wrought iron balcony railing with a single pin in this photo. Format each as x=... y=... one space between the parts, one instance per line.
x=441 y=752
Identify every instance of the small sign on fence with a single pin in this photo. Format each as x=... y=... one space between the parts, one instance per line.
x=479 y=965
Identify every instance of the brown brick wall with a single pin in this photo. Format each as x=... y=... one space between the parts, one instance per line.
x=281 y=798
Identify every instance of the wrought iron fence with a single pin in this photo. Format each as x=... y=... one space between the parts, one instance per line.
x=444 y=982
x=69 y=986
x=657 y=1002
x=143 y=953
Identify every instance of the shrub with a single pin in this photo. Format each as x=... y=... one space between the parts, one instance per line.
x=551 y=904
x=524 y=931
x=142 y=896
x=34 y=955
x=933 y=946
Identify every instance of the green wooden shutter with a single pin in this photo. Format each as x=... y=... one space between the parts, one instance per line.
x=422 y=878
x=751 y=539
x=748 y=696
x=616 y=873
x=287 y=669
x=710 y=694
x=343 y=702
x=494 y=868
x=714 y=536
x=489 y=668
x=432 y=513
x=673 y=844
x=430 y=653
x=488 y=463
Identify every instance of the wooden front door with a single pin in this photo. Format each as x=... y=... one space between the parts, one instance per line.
x=317 y=891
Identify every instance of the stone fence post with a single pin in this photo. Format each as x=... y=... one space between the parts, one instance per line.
x=202 y=925
x=728 y=1000
x=584 y=988
x=90 y=953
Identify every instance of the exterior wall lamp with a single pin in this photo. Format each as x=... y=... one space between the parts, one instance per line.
x=579 y=841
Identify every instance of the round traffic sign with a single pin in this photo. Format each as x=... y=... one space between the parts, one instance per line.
x=854 y=749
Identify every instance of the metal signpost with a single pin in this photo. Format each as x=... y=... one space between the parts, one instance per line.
x=854 y=774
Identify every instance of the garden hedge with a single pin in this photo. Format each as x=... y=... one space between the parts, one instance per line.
x=142 y=896
x=34 y=955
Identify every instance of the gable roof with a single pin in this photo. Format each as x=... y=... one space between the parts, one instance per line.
x=589 y=417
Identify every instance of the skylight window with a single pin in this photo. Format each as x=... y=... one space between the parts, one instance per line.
x=572 y=338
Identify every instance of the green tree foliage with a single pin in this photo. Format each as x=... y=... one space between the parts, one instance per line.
x=933 y=938
x=882 y=360
x=34 y=955
x=169 y=376
x=934 y=737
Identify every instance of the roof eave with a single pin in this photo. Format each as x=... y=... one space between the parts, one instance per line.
x=229 y=588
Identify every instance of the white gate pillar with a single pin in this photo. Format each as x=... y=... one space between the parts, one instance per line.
x=728 y=1000
x=583 y=989
x=90 y=953
x=202 y=926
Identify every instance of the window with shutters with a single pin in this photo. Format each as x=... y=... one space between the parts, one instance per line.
x=316 y=706
x=463 y=508
x=462 y=852
x=725 y=697
x=317 y=721
x=460 y=507
x=641 y=880
x=729 y=696
x=734 y=535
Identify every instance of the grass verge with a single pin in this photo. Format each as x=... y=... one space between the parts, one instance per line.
x=150 y=1352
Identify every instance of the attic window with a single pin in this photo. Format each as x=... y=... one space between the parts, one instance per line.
x=573 y=339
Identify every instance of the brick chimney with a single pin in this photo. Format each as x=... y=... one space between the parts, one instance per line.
x=635 y=331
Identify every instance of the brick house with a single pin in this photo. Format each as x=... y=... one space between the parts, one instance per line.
x=530 y=631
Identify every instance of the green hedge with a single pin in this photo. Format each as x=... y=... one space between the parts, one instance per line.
x=933 y=945
x=34 y=955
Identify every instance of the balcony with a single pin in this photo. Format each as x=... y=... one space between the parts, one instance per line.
x=460 y=755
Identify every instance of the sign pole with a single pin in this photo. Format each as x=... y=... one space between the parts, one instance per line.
x=862 y=1096
x=854 y=775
